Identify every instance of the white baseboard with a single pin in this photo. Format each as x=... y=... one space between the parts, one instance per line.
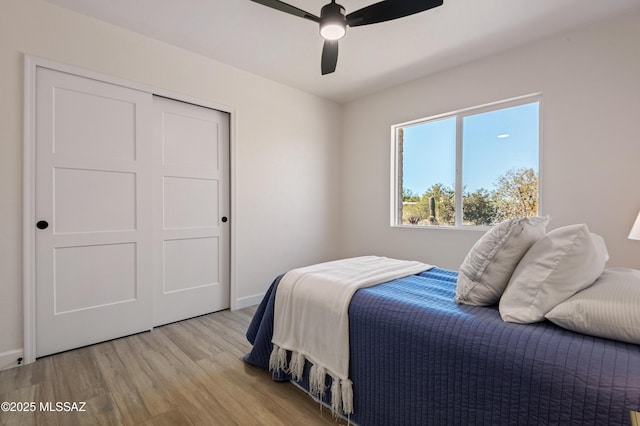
x=9 y=359
x=245 y=302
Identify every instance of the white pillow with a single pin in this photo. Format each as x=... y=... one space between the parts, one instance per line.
x=486 y=270
x=560 y=264
x=610 y=308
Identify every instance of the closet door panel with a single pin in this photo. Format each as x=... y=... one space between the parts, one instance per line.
x=93 y=208
x=191 y=231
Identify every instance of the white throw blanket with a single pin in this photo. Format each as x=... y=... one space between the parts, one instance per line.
x=311 y=319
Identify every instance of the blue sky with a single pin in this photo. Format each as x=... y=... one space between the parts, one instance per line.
x=494 y=142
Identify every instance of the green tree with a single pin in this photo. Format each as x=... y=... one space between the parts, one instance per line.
x=478 y=208
x=516 y=194
x=409 y=195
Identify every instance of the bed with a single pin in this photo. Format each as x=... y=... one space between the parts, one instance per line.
x=419 y=358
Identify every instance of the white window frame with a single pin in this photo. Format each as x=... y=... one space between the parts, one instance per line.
x=396 y=191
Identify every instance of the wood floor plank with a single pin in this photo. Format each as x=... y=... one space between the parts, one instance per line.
x=182 y=380
x=170 y=418
x=76 y=375
x=127 y=393
x=185 y=373
x=19 y=395
x=220 y=373
x=25 y=375
x=264 y=400
x=138 y=386
x=227 y=335
x=196 y=342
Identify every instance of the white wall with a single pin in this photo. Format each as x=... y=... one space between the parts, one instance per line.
x=286 y=142
x=590 y=80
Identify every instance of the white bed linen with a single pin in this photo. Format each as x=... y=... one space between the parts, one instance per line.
x=311 y=318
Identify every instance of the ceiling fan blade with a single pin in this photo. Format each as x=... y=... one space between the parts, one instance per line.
x=388 y=10
x=287 y=8
x=329 y=56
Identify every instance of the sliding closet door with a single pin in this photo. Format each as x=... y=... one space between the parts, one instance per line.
x=93 y=212
x=191 y=210
x=132 y=208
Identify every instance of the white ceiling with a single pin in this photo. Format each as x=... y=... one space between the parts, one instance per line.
x=286 y=48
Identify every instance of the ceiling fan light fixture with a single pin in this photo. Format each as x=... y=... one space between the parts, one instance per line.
x=333 y=24
x=332 y=31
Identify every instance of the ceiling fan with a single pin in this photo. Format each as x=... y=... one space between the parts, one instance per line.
x=333 y=21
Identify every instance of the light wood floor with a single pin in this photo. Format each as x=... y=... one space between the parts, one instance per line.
x=190 y=372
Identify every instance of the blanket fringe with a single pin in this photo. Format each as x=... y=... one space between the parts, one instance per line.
x=296 y=367
x=347 y=396
x=278 y=359
x=341 y=390
x=336 y=396
x=317 y=376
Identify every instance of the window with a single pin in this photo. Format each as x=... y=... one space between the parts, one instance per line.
x=474 y=167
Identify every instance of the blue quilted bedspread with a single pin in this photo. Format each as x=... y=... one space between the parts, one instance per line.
x=418 y=358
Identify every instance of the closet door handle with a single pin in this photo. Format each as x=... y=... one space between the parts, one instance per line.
x=42 y=224
x=224 y=219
